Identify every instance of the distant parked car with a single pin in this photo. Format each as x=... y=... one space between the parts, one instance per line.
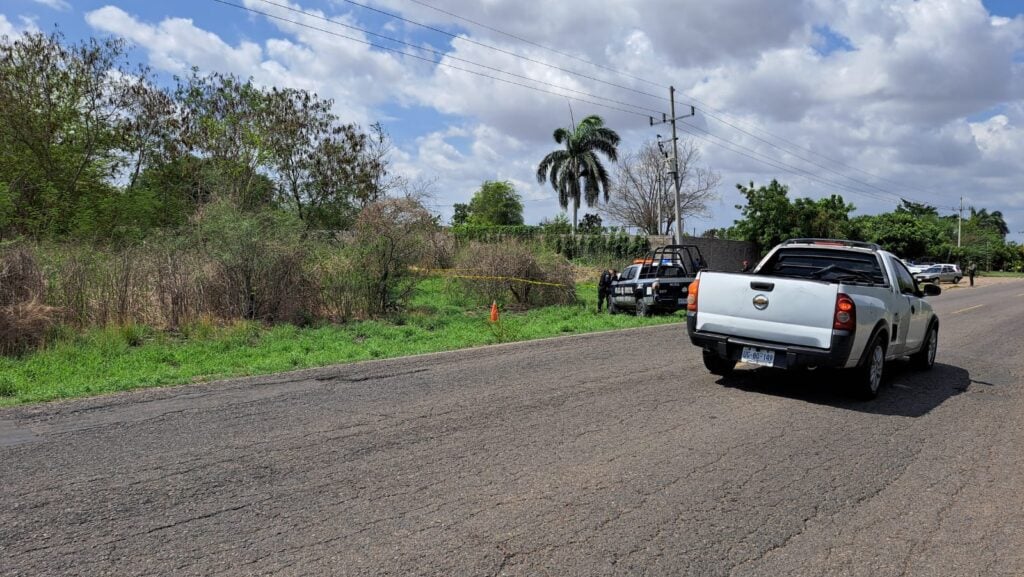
x=916 y=268
x=940 y=273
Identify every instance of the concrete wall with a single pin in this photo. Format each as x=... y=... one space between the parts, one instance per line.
x=723 y=255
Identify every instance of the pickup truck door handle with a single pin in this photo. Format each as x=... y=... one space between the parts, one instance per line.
x=762 y=286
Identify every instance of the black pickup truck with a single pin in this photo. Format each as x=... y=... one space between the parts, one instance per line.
x=658 y=282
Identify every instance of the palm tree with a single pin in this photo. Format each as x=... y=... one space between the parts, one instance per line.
x=565 y=168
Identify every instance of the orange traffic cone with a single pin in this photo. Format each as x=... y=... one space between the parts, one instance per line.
x=494 y=311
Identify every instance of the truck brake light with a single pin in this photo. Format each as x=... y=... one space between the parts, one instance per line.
x=691 y=296
x=846 y=313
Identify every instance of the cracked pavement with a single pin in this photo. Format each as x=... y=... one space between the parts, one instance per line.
x=605 y=454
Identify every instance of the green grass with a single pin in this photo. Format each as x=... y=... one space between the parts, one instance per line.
x=130 y=357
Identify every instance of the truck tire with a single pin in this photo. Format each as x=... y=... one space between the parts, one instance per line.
x=612 y=309
x=716 y=365
x=867 y=378
x=925 y=358
x=642 y=310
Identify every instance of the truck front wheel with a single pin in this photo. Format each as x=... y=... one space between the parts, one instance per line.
x=642 y=310
x=716 y=365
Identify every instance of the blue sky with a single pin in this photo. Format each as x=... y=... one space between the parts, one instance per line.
x=923 y=99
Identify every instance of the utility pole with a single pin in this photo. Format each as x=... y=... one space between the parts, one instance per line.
x=678 y=232
x=959 y=222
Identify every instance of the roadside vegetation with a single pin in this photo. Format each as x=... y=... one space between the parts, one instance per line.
x=129 y=356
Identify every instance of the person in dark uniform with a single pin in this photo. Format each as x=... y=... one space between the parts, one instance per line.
x=746 y=266
x=972 y=269
x=604 y=288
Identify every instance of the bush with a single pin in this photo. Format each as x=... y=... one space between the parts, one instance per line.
x=24 y=326
x=257 y=263
x=21 y=278
x=498 y=272
x=391 y=236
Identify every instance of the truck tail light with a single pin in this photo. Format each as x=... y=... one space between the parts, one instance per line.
x=691 y=296
x=846 y=313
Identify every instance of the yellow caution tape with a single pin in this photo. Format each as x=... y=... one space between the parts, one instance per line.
x=449 y=273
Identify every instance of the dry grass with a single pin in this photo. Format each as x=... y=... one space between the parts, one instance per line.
x=21 y=278
x=25 y=325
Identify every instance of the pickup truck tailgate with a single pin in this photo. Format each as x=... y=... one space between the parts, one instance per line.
x=797 y=311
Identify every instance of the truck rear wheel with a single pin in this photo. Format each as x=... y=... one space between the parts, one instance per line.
x=716 y=365
x=867 y=378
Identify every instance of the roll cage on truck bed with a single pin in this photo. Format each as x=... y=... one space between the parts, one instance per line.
x=658 y=281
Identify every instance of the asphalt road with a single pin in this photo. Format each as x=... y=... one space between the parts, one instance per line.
x=608 y=454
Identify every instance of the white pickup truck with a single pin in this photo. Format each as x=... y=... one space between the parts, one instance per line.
x=815 y=303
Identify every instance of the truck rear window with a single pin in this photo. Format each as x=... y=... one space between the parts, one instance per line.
x=825 y=264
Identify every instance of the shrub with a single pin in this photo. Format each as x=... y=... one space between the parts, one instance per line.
x=512 y=270
x=24 y=326
x=391 y=235
x=21 y=278
x=257 y=263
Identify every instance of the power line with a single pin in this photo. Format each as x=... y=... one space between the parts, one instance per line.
x=804 y=148
x=456 y=58
x=764 y=159
x=397 y=51
x=634 y=107
x=809 y=161
x=502 y=50
x=538 y=45
x=705 y=107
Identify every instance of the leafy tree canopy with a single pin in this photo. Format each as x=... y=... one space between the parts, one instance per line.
x=496 y=203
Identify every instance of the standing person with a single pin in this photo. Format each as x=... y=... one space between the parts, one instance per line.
x=604 y=288
x=972 y=269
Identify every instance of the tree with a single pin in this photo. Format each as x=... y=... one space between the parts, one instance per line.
x=496 y=203
x=578 y=164
x=916 y=208
x=556 y=226
x=823 y=218
x=903 y=233
x=591 y=224
x=460 y=215
x=769 y=217
x=59 y=146
x=644 y=195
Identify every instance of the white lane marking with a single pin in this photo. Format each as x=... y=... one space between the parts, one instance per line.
x=966 y=309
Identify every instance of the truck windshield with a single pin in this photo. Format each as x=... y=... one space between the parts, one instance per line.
x=825 y=264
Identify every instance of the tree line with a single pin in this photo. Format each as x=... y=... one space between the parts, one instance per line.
x=913 y=230
x=93 y=148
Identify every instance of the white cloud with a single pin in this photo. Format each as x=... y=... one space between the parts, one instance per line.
x=12 y=30
x=929 y=94
x=61 y=5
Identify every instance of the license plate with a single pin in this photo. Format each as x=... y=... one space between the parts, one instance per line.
x=756 y=356
x=682 y=301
